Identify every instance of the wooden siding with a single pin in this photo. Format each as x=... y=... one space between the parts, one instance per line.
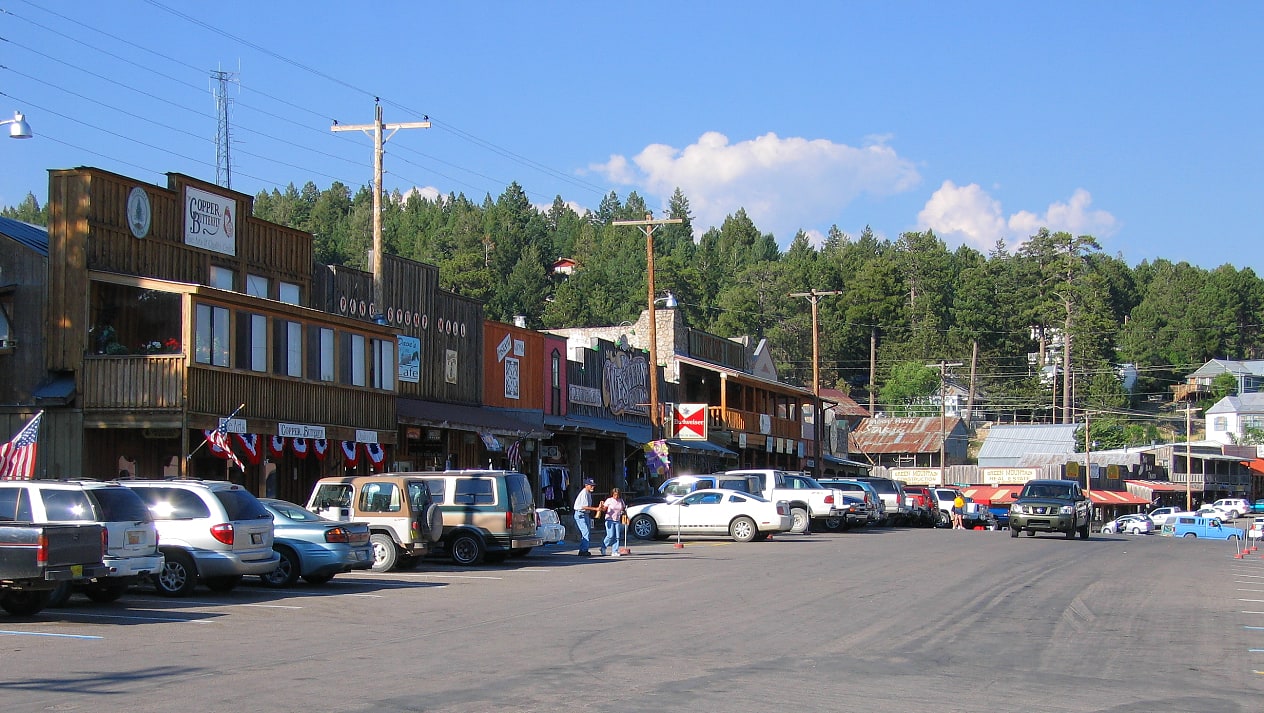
x=22 y=360
x=215 y=393
x=530 y=363
x=133 y=382
x=416 y=307
x=88 y=230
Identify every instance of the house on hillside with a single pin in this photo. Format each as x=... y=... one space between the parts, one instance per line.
x=1249 y=375
x=911 y=442
x=1227 y=420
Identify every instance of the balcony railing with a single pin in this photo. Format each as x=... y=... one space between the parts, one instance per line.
x=134 y=382
x=748 y=421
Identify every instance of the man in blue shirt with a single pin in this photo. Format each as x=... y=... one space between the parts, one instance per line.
x=583 y=515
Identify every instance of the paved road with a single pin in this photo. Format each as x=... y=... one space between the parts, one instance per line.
x=875 y=620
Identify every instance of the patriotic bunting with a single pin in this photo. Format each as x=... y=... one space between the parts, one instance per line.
x=252 y=446
x=377 y=455
x=350 y=453
x=276 y=446
x=320 y=447
x=299 y=446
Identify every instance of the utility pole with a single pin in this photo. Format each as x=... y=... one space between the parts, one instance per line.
x=943 y=416
x=647 y=226
x=818 y=420
x=1088 y=461
x=375 y=130
x=1189 y=469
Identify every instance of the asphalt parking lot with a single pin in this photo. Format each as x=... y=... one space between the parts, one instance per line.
x=884 y=620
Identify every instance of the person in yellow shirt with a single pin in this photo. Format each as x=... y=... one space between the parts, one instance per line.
x=958 y=508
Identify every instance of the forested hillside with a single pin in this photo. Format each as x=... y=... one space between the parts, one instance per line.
x=917 y=301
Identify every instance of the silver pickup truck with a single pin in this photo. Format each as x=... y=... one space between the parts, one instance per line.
x=34 y=558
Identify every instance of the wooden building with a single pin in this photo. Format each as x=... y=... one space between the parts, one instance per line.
x=167 y=309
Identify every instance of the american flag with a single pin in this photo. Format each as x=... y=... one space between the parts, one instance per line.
x=17 y=457
x=514 y=455
x=219 y=439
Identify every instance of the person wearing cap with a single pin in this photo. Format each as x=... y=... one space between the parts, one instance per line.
x=584 y=509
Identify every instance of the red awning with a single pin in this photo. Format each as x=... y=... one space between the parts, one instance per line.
x=1256 y=465
x=1005 y=494
x=1116 y=497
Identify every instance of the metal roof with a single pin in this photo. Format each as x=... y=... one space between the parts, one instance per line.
x=921 y=434
x=1242 y=403
x=32 y=236
x=1018 y=440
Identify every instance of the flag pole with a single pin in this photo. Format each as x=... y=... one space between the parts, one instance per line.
x=199 y=446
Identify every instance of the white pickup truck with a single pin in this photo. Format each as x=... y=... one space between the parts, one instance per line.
x=809 y=500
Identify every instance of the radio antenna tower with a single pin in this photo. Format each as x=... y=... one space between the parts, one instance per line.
x=223 y=107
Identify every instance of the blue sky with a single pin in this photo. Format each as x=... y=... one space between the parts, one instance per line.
x=1141 y=123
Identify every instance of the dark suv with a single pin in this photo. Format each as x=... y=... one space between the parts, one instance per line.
x=1051 y=506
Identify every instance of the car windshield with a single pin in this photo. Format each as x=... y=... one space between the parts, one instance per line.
x=121 y=505
x=290 y=511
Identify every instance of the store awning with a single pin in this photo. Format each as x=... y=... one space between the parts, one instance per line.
x=60 y=391
x=700 y=447
x=479 y=419
x=844 y=461
x=1116 y=497
x=1256 y=466
x=608 y=427
x=1005 y=494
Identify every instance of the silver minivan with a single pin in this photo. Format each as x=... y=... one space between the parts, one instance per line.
x=208 y=530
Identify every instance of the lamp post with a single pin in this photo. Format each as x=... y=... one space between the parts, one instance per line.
x=647 y=226
x=18 y=128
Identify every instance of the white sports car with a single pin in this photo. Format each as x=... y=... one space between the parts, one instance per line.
x=742 y=516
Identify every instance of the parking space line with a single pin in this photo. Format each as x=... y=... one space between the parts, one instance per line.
x=49 y=635
x=448 y=576
x=172 y=620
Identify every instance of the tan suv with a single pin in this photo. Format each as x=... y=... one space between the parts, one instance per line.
x=487 y=514
x=403 y=518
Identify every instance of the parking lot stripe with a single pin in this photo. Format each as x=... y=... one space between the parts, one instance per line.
x=173 y=620
x=49 y=634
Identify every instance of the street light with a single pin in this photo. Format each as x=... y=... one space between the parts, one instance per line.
x=18 y=128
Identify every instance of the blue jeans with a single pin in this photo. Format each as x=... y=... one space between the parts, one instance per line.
x=585 y=529
x=614 y=535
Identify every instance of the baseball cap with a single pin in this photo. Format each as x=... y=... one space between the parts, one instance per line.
x=589 y=481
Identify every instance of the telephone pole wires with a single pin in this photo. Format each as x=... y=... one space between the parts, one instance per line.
x=942 y=366
x=375 y=130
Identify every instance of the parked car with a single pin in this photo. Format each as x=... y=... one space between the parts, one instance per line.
x=313 y=547
x=678 y=487
x=1161 y=515
x=741 y=516
x=1053 y=505
x=211 y=531
x=131 y=552
x=1137 y=523
x=923 y=510
x=487 y=514
x=1258 y=506
x=1234 y=507
x=944 y=497
x=1257 y=529
x=874 y=505
x=404 y=519
x=977 y=515
x=548 y=526
x=892 y=493
x=1220 y=513
x=1194 y=526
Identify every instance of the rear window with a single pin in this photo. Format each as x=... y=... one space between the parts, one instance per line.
x=418 y=495
x=67 y=506
x=120 y=505
x=519 y=492
x=172 y=503
x=15 y=505
x=241 y=505
x=883 y=486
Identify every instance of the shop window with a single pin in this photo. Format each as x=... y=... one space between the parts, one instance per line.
x=131 y=320
x=288 y=357
x=383 y=365
x=210 y=341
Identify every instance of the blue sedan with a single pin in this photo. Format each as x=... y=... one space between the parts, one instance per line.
x=313 y=547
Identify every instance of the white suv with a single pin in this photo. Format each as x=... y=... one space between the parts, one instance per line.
x=131 y=548
x=1235 y=507
x=211 y=530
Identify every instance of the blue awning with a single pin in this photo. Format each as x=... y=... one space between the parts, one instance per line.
x=59 y=391
x=636 y=433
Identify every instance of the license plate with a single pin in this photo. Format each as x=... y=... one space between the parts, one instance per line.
x=256 y=538
x=135 y=537
x=76 y=570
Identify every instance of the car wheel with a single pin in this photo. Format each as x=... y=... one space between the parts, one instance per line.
x=644 y=528
x=743 y=529
x=1135 y=530
x=1190 y=534
x=24 y=602
x=385 y=553
x=799 y=520
x=466 y=549
x=945 y=520
x=1014 y=531
x=286 y=572
x=227 y=583
x=60 y=595
x=1085 y=531
x=177 y=578
x=105 y=593
x=317 y=578
x=833 y=524
x=1234 y=515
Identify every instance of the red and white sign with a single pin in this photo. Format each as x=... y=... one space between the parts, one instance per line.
x=689 y=422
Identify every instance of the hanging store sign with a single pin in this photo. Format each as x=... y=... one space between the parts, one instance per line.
x=210 y=221
x=300 y=430
x=409 y=358
x=689 y=422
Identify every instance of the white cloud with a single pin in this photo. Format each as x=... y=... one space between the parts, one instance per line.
x=784 y=184
x=970 y=214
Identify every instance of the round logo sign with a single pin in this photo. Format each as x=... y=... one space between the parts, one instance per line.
x=138 y=212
